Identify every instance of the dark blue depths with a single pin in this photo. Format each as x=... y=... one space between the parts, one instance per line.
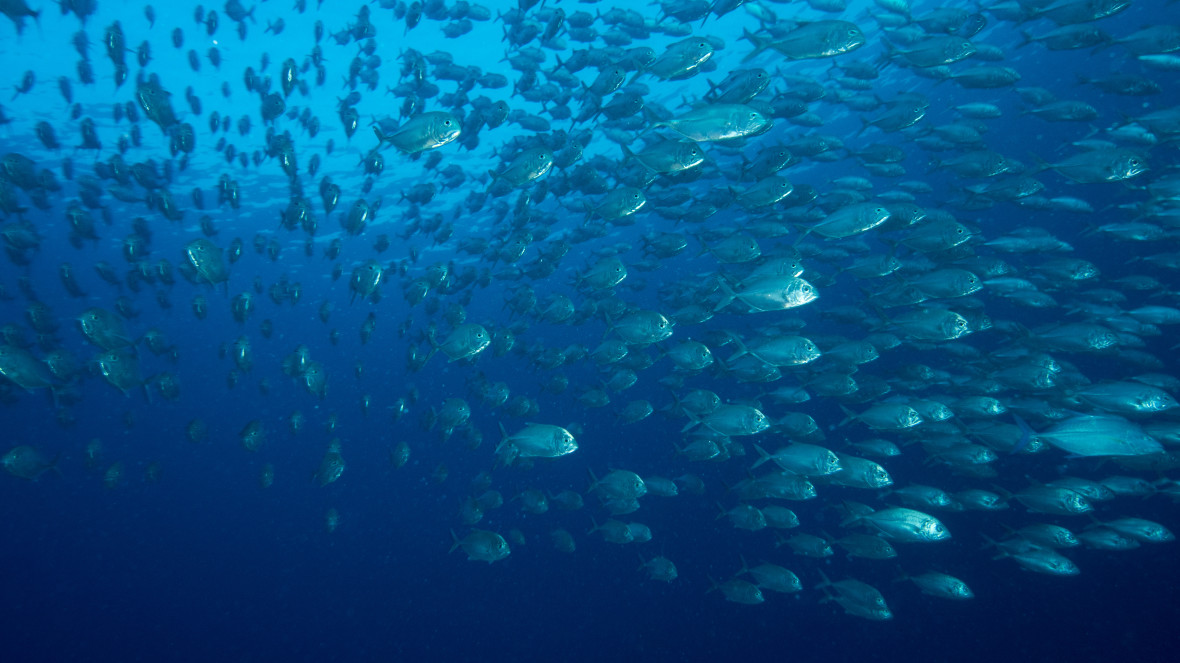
x=202 y=563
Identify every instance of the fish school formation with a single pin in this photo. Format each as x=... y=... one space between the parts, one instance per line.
x=868 y=273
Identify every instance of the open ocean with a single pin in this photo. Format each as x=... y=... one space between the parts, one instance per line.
x=213 y=467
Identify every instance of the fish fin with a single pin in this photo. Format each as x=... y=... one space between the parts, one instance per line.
x=762 y=457
x=1006 y=494
x=849 y=416
x=992 y=543
x=1042 y=165
x=721 y=512
x=827 y=582
x=759 y=44
x=852 y=519
x=1026 y=435
x=729 y=293
x=593 y=481
x=628 y=153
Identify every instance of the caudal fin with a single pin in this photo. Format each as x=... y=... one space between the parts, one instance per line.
x=762 y=457
x=728 y=294
x=759 y=43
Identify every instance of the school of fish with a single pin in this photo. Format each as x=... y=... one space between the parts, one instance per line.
x=856 y=317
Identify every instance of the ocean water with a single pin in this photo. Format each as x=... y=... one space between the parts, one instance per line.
x=151 y=546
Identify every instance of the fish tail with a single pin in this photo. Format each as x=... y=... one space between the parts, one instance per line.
x=849 y=416
x=593 y=482
x=729 y=295
x=759 y=44
x=1041 y=163
x=992 y=543
x=827 y=582
x=1026 y=434
x=887 y=57
x=865 y=123
x=722 y=369
x=762 y=457
x=1006 y=494
x=721 y=512
x=642 y=561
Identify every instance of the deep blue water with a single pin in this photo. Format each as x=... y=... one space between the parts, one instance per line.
x=203 y=563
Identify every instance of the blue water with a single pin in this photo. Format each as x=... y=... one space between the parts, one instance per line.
x=203 y=563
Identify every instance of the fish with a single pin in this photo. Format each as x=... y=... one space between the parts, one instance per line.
x=537 y=441
x=482 y=546
x=24 y=369
x=818 y=39
x=207 y=261
x=1100 y=435
x=857 y=598
x=530 y=165
x=715 y=122
x=426 y=131
x=331 y=467
x=464 y=342
x=903 y=524
x=26 y=462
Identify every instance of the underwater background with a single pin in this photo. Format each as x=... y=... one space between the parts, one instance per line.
x=142 y=529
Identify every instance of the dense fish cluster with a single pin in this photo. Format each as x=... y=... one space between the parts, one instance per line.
x=867 y=276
